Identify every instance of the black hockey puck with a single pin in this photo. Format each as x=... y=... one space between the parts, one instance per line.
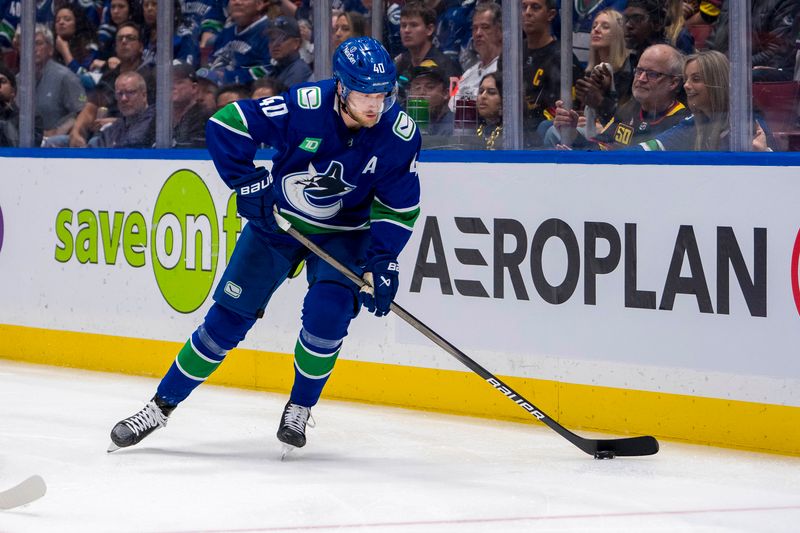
x=604 y=454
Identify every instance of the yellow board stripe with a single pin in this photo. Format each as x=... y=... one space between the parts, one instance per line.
x=727 y=423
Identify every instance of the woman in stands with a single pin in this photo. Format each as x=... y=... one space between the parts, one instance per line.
x=706 y=77
x=608 y=78
x=490 y=112
x=75 y=44
x=348 y=24
x=676 y=32
x=115 y=12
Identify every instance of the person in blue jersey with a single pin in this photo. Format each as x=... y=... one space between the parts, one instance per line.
x=241 y=50
x=345 y=174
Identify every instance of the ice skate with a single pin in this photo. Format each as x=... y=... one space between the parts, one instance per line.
x=292 y=429
x=135 y=428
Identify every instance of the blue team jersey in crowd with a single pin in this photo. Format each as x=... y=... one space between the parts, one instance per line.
x=241 y=56
x=11 y=14
x=327 y=178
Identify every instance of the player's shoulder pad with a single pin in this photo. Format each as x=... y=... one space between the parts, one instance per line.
x=310 y=96
x=402 y=125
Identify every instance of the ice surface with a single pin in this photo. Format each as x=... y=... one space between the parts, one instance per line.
x=217 y=467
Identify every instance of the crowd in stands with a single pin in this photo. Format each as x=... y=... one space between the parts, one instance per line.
x=647 y=74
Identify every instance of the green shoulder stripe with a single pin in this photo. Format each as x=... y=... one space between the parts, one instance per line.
x=307 y=226
x=402 y=217
x=230 y=117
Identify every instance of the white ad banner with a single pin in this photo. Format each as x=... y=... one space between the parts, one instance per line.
x=667 y=278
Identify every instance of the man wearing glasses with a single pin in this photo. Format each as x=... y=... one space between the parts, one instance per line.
x=654 y=108
x=101 y=108
x=284 y=47
x=136 y=126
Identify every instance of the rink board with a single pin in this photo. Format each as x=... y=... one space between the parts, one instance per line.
x=615 y=295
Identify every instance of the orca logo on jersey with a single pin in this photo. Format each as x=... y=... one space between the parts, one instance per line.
x=317 y=195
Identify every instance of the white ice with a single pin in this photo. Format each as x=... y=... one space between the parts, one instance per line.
x=217 y=467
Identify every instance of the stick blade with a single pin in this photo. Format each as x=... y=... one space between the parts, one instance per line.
x=29 y=490
x=630 y=447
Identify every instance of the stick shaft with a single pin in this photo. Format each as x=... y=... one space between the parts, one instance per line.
x=625 y=446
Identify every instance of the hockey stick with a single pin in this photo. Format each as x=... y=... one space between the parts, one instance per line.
x=29 y=490
x=599 y=448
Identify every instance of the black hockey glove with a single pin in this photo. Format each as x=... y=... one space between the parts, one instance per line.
x=381 y=274
x=254 y=199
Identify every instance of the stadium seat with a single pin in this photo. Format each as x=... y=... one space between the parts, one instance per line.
x=700 y=32
x=777 y=102
x=10 y=59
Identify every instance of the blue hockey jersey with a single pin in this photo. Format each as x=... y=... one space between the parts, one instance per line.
x=327 y=178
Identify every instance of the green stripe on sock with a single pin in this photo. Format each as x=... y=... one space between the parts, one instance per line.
x=312 y=365
x=193 y=364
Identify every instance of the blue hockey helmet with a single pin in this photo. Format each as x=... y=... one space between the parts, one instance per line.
x=362 y=64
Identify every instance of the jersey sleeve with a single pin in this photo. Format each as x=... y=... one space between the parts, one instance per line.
x=678 y=138
x=395 y=207
x=235 y=132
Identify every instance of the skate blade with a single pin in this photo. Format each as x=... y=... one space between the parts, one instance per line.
x=285 y=449
x=112 y=447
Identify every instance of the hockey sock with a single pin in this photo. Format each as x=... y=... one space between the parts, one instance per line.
x=221 y=331
x=198 y=358
x=314 y=358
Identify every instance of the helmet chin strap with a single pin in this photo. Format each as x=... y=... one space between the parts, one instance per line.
x=342 y=101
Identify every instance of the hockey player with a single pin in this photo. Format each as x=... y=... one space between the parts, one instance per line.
x=344 y=174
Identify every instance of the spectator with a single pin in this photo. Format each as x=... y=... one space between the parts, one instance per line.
x=417 y=24
x=654 y=108
x=10 y=13
x=241 y=51
x=230 y=93
x=207 y=91
x=676 y=31
x=266 y=87
x=608 y=78
x=707 y=76
x=9 y=112
x=284 y=47
x=698 y=12
x=773 y=36
x=115 y=13
x=391 y=26
x=453 y=29
x=74 y=42
x=490 y=111
x=307 y=41
x=184 y=45
x=346 y=25
x=541 y=75
x=101 y=108
x=211 y=16
x=59 y=93
x=583 y=15
x=487 y=38
x=429 y=81
x=644 y=26
x=188 y=115
x=136 y=127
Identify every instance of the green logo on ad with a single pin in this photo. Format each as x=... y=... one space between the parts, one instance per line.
x=185 y=237
x=310 y=144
